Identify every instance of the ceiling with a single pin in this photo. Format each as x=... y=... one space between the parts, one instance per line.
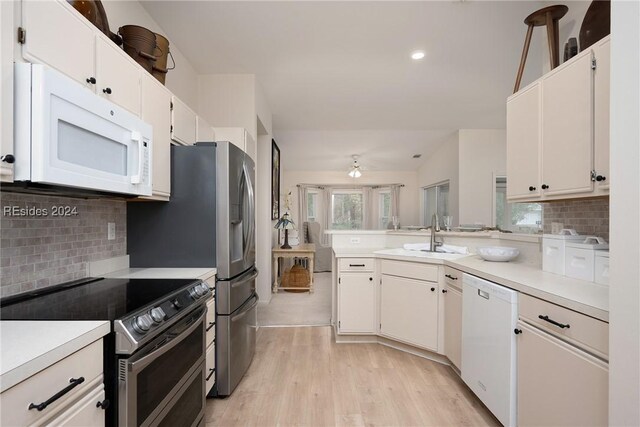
x=329 y=69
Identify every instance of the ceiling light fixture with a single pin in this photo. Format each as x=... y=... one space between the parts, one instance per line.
x=354 y=172
x=418 y=54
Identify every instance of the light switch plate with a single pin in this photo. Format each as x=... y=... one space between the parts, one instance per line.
x=111 y=231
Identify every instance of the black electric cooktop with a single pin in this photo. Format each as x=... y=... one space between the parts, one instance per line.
x=89 y=299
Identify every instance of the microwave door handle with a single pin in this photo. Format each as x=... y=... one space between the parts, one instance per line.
x=137 y=136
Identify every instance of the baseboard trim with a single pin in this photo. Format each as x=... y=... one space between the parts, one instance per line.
x=293 y=326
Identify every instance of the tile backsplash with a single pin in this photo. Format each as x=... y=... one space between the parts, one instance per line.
x=53 y=239
x=586 y=216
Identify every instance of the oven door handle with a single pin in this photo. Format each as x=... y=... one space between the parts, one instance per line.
x=146 y=360
x=245 y=311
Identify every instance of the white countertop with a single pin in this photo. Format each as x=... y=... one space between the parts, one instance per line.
x=27 y=347
x=585 y=297
x=162 y=273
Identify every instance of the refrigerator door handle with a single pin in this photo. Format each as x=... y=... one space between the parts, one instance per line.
x=251 y=217
x=241 y=280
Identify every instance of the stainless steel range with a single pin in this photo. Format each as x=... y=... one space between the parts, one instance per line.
x=153 y=359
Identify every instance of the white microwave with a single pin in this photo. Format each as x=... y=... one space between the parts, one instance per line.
x=65 y=135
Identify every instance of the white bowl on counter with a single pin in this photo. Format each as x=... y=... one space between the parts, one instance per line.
x=498 y=253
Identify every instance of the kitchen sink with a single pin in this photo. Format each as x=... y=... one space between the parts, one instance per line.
x=419 y=254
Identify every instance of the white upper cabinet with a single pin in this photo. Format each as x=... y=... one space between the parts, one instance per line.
x=251 y=147
x=238 y=137
x=79 y=51
x=118 y=79
x=55 y=34
x=558 y=131
x=156 y=110
x=204 y=131
x=567 y=128
x=523 y=143
x=183 y=123
x=602 y=53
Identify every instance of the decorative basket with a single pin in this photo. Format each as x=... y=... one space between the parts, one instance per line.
x=296 y=277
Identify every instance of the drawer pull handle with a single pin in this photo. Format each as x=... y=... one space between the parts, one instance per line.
x=448 y=276
x=553 y=322
x=211 y=372
x=356 y=265
x=104 y=404
x=74 y=383
x=517 y=331
x=211 y=325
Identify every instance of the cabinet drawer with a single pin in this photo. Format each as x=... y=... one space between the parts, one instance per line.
x=453 y=277
x=356 y=264
x=86 y=363
x=211 y=321
x=210 y=364
x=411 y=270
x=583 y=330
x=83 y=413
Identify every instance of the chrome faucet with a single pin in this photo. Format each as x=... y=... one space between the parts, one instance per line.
x=435 y=227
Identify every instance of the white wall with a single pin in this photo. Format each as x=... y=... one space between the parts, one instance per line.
x=483 y=155
x=624 y=293
x=229 y=100
x=182 y=81
x=408 y=210
x=442 y=166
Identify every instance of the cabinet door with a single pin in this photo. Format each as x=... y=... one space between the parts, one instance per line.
x=409 y=311
x=183 y=123
x=118 y=78
x=602 y=54
x=156 y=110
x=83 y=413
x=453 y=325
x=7 y=39
x=210 y=366
x=523 y=144
x=356 y=303
x=559 y=385
x=59 y=36
x=567 y=123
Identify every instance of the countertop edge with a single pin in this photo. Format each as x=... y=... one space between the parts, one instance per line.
x=43 y=361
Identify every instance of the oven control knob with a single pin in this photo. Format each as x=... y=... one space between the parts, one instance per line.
x=199 y=291
x=157 y=314
x=204 y=288
x=176 y=304
x=141 y=324
x=193 y=293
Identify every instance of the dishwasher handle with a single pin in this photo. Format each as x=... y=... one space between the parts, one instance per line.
x=553 y=322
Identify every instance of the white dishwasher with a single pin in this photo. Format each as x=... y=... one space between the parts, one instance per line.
x=489 y=316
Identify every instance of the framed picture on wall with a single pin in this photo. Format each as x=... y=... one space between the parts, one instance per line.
x=275 y=180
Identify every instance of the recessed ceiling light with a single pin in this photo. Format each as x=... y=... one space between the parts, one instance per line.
x=417 y=55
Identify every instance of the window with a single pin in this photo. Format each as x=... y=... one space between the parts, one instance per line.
x=517 y=217
x=312 y=206
x=346 y=210
x=384 y=209
x=436 y=200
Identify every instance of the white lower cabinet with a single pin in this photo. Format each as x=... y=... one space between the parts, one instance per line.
x=558 y=383
x=409 y=311
x=84 y=413
x=210 y=366
x=357 y=303
x=453 y=325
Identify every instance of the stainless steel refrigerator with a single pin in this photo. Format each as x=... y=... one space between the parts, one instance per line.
x=209 y=221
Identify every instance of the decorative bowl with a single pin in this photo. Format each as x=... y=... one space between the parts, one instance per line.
x=498 y=253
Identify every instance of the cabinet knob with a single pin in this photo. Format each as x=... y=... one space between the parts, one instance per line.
x=371 y=279
x=91 y=80
x=545 y=186
x=433 y=289
x=517 y=331
x=601 y=178
x=8 y=158
x=444 y=291
x=107 y=90
x=104 y=404
x=532 y=188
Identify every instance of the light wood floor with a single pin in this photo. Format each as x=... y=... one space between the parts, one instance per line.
x=300 y=377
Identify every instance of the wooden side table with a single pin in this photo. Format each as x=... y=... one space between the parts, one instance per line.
x=304 y=250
